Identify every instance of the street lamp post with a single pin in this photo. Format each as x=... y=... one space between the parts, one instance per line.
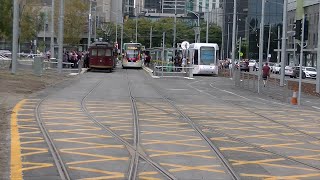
x=15 y=35
x=116 y=24
x=61 y=21
x=197 y=34
x=283 y=42
x=261 y=42
x=234 y=36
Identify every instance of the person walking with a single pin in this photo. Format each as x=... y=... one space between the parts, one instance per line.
x=265 y=74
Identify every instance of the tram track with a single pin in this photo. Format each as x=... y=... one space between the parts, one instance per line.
x=251 y=144
x=212 y=146
x=62 y=170
x=135 y=150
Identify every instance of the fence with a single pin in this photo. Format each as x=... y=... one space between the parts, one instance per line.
x=172 y=71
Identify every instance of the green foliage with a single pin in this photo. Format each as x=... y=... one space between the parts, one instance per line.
x=5 y=19
x=31 y=22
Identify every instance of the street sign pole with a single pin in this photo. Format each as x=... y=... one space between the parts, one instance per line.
x=52 y=30
x=61 y=21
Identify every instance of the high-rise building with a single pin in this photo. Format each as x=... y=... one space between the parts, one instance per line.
x=248 y=26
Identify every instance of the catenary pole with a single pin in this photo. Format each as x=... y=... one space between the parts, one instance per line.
x=15 y=35
x=61 y=23
x=89 y=24
x=278 y=53
x=318 y=57
x=233 y=55
x=150 y=37
x=269 y=40
x=207 y=29
x=228 y=41
x=174 y=27
x=121 y=35
x=52 y=30
x=261 y=42
x=283 y=42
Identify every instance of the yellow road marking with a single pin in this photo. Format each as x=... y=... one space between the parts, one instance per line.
x=181 y=153
x=177 y=142
x=15 y=161
x=167 y=134
x=242 y=149
x=93 y=147
x=35 y=151
x=113 y=175
x=111 y=158
x=268 y=177
x=178 y=168
x=266 y=162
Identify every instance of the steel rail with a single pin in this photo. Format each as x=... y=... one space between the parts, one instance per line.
x=250 y=144
x=130 y=148
x=62 y=170
x=215 y=149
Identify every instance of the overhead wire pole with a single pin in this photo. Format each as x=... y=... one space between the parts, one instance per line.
x=261 y=42
x=207 y=28
x=301 y=58
x=269 y=39
x=318 y=57
x=283 y=42
x=175 y=27
x=233 y=55
x=150 y=37
x=89 y=24
x=52 y=30
x=61 y=23
x=15 y=35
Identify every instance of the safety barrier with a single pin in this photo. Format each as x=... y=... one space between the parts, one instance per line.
x=172 y=71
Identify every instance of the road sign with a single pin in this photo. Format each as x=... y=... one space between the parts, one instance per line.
x=241 y=54
x=185 y=45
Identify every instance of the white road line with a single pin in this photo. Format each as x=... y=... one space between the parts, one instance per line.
x=316 y=107
x=230 y=92
x=177 y=89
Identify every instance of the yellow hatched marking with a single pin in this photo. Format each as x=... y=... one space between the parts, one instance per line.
x=268 y=177
x=167 y=134
x=309 y=157
x=177 y=142
x=267 y=162
x=181 y=153
x=15 y=156
x=32 y=142
x=84 y=133
x=224 y=139
x=148 y=178
x=280 y=145
x=93 y=147
x=242 y=149
x=26 y=120
x=33 y=132
x=268 y=136
x=35 y=151
x=250 y=129
x=74 y=130
x=178 y=168
x=75 y=125
x=117 y=122
x=67 y=112
x=35 y=165
x=30 y=127
x=112 y=175
x=64 y=118
x=23 y=114
x=94 y=161
x=80 y=142
x=26 y=109
x=110 y=158
x=27 y=137
x=148 y=173
x=90 y=137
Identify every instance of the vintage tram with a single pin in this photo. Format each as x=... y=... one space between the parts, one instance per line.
x=102 y=56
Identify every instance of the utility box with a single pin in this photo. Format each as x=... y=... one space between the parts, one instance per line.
x=38 y=66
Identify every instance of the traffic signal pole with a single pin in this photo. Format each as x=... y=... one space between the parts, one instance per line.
x=301 y=58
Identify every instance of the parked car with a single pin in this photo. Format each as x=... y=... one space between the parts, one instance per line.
x=296 y=71
x=276 y=68
x=310 y=72
x=270 y=64
x=244 y=66
x=253 y=65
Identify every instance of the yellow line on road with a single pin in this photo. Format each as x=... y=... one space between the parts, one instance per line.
x=16 y=164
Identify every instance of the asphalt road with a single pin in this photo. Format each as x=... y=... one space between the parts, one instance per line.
x=127 y=125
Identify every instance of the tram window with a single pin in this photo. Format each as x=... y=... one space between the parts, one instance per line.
x=101 y=52
x=108 y=52
x=195 y=57
x=94 y=52
x=207 y=55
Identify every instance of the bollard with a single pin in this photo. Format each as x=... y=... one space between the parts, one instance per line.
x=190 y=71
x=37 y=66
x=80 y=64
x=294 y=100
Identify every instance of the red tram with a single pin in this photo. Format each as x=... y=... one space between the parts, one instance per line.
x=102 y=56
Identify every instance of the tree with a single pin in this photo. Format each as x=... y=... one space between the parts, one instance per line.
x=6 y=19
x=31 y=22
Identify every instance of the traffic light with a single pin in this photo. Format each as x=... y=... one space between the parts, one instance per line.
x=306 y=30
x=298 y=29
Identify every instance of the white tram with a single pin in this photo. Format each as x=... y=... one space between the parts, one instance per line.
x=203 y=57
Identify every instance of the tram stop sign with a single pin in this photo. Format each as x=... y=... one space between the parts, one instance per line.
x=185 y=45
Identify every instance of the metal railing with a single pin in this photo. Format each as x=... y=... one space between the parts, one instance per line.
x=172 y=71
x=272 y=88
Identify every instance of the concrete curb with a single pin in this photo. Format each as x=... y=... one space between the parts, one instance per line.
x=150 y=72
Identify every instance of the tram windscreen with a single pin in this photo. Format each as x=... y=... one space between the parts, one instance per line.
x=132 y=53
x=207 y=55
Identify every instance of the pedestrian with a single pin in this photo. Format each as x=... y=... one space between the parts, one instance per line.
x=147 y=60
x=265 y=74
x=183 y=63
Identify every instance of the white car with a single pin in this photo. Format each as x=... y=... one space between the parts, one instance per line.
x=253 y=64
x=276 y=68
x=310 y=72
